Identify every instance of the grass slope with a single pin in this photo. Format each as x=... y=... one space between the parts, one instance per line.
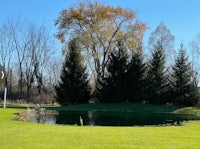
x=16 y=135
x=131 y=107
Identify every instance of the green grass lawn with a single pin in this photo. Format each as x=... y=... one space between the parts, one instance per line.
x=15 y=134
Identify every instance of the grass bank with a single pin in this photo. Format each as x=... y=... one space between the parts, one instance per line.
x=131 y=107
x=15 y=134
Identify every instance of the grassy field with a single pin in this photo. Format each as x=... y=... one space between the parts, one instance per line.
x=15 y=134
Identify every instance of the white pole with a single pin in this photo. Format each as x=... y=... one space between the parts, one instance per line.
x=5 y=94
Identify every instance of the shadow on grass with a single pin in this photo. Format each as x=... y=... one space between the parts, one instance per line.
x=120 y=107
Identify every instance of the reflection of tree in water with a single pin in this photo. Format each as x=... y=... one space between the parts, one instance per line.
x=91 y=118
x=73 y=117
x=104 y=118
x=45 y=116
x=68 y=117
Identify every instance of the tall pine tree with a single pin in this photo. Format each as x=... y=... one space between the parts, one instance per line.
x=161 y=43
x=184 y=90
x=73 y=86
x=156 y=81
x=114 y=87
x=135 y=78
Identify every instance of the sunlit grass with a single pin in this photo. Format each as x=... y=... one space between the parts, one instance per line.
x=188 y=110
x=16 y=134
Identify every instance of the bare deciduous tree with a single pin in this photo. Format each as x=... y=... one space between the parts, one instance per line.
x=195 y=53
x=54 y=69
x=195 y=48
x=6 y=48
x=42 y=48
x=163 y=38
x=29 y=47
x=21 y=41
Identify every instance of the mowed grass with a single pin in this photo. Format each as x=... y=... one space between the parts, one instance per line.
x=15 y=134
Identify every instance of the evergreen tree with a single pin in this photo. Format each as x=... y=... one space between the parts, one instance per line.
x=113 y=87
x=73 y=85
x=156 y=80
x=161 y=43
x=183 y=86
x=135 y=78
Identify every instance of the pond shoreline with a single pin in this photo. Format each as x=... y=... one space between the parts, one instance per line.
x=104 y=118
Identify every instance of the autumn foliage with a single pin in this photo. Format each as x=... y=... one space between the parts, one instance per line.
x=99 y=28
x=110 y=40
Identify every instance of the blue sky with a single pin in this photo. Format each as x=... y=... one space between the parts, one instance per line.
x=182 y=17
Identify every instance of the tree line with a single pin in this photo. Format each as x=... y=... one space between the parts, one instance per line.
x=105 y=59
x=103 y=47
x=130 y=79
x=26 y=52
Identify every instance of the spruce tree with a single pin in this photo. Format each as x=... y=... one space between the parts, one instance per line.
x=184 y=90
x=135 y=78
x=114 y=87
x=73 y=86
x=156 y=80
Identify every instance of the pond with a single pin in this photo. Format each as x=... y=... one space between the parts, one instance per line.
x=104 y=118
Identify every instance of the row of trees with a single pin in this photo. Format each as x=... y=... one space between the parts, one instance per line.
x=130 y=79
x=26 y=51
x=109 y=40
x=108 y=45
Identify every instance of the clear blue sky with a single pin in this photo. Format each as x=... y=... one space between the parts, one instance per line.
x=182 y=17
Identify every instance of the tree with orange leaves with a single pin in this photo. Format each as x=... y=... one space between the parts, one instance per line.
x=98 y=29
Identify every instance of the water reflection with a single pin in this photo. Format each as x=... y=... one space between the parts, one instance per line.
x=105 y=118
x=38 y=115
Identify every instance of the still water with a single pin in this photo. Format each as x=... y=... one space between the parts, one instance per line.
x=104 y=118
